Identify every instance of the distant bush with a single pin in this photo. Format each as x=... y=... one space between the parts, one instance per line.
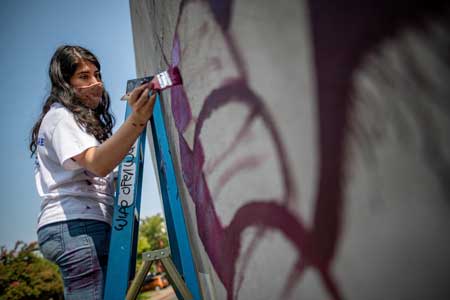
x=24 y=274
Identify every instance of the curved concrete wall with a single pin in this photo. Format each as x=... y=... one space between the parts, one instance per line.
x=310 y=142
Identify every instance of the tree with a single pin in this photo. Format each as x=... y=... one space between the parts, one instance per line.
x=24 y=274
x=154 y=230
x=152 y=236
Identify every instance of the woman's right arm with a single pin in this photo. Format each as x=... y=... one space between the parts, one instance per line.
x=101 y=160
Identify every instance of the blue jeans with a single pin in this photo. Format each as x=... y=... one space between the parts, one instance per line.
x=80 y=249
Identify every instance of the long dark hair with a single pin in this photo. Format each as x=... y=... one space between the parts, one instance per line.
x=98 y=122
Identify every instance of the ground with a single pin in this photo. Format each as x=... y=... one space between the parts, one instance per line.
x=166 y=294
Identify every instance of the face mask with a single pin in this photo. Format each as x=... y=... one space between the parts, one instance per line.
x=91 y=95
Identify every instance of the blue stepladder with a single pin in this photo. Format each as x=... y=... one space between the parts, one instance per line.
x=124 y=234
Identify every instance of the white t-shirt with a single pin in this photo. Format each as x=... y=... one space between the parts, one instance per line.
x=68 y=190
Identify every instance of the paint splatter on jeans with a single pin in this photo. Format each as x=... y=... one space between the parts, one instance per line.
x=80 y=249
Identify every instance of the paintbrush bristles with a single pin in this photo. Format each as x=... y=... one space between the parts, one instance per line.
x=166 y=79
x=163 y=80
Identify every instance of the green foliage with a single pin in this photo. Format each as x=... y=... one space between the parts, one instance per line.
x=152 y=236
x=24 y=274
x=143 y=244
x=154 y=230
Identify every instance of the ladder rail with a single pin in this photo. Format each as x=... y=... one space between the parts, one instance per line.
x=176 y=226
x=127 y=204
x=125 y=221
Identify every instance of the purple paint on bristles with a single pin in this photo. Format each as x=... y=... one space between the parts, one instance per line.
x=166 y=79
x=162 y=81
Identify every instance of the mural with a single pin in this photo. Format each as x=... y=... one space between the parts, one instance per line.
x=223 y=243
x=345 y=38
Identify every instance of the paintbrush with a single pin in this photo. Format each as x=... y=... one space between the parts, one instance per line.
x=159 y=82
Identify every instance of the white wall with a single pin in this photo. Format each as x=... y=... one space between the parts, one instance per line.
x=311 y=145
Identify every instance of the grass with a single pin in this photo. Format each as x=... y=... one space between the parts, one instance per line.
x=145 y=295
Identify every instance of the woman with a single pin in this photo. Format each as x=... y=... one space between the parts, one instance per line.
x=76 y=153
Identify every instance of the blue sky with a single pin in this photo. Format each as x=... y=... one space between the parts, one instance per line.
x=30 y=33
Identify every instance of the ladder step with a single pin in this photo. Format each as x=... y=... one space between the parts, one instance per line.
x=175 y=278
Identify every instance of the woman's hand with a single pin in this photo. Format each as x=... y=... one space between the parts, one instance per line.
x=141 y=104
x=103 y=159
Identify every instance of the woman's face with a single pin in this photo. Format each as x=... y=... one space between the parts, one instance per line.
x=87 y=84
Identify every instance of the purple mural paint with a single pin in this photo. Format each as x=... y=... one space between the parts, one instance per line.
x=223 y=244
x=209 y=168
x=181 y=109
x=343 y=33
x=222 y=12
x=242 y=164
